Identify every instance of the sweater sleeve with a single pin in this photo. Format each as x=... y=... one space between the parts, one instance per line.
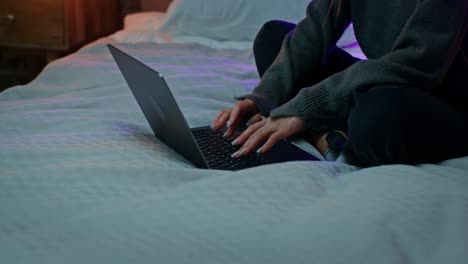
x=421 y=56
x=302 y=53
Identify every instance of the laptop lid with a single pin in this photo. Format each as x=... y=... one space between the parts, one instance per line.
x=159 y=106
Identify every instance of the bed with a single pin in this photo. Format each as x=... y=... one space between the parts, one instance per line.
x=83 y=179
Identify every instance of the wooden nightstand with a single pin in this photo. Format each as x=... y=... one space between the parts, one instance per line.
x=35 y=32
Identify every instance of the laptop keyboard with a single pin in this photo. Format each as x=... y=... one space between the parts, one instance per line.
x=218 y=150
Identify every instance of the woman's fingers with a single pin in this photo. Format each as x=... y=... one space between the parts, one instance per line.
x=218 y=116
x=236 y=113
x=240 y=140
x=268 y=131
x=261 y=135
x=272 y=140
x=251 y=138
x=254 y=119
x=232 y=116
x=240 y=110
x=221 y=119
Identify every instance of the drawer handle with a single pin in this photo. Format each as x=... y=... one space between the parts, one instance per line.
x=10 y=19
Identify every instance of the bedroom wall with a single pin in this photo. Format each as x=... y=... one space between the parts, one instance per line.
x=158 y=5
x=132 y=6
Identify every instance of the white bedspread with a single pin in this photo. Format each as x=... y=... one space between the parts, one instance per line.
x=83 y=180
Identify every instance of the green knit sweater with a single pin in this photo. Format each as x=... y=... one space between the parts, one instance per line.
x=407 y=42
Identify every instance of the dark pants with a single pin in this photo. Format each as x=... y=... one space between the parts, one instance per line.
x=387 y=125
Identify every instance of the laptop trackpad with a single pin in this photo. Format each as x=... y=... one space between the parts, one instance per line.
x=284 y=151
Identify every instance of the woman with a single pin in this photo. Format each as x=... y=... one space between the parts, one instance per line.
x=407 y=103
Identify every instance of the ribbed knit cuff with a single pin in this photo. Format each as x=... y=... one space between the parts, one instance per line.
x=263 y=104
x=309 y=104
x=267 y=95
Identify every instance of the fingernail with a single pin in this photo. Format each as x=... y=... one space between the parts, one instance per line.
x=212 y=126
x=259 y=151
x=248 y=123
x=225 y=134
x=242 y=151
x=228 y=124
x=238 y=153
x=235 y=142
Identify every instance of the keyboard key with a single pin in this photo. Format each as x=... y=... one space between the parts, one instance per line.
x=218 y=150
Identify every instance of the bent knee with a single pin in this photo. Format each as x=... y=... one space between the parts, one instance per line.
x=379 y=112
x=404 y=125
x=272 y=30
x=382 y=122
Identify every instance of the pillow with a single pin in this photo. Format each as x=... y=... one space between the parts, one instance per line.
x=143 y=21
x=233 y=20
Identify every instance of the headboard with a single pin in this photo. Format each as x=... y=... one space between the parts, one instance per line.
x=132 y=6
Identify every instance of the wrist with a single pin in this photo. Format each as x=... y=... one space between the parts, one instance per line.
x=251 y=105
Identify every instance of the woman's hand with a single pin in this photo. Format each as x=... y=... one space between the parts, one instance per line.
x=232 y=116
x=269 y=130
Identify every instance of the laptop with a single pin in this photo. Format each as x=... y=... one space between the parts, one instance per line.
x=202 y=146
